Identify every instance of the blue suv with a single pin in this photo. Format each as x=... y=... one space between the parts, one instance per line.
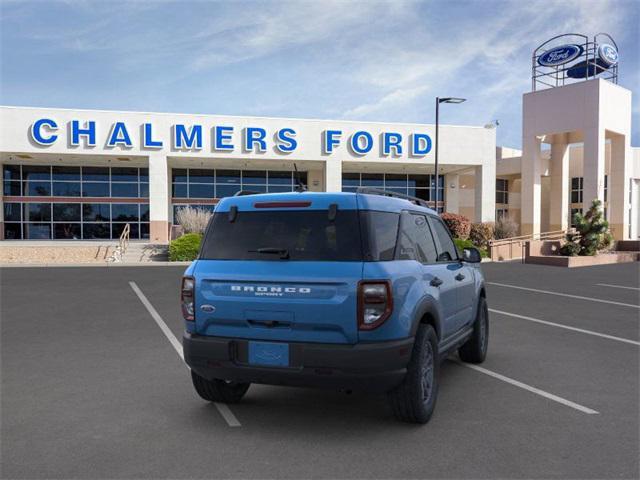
x=353 y=291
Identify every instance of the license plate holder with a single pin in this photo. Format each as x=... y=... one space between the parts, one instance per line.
x=269 y=354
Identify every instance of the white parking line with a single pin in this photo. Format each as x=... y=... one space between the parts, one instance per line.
x=616 y=286
x=529 y=388
x=224 y=410
x=566 y=327
x=590 y=299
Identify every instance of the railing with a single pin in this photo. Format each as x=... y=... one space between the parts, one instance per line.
x=514 y=247
x=123 y=244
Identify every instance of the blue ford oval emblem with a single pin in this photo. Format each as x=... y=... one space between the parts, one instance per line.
x=208 y=308
x=560 y=55
x=608 y=54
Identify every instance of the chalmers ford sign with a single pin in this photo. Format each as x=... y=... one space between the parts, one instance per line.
x=222 y=138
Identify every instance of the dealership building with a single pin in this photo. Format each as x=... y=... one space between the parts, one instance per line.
x=85 y=174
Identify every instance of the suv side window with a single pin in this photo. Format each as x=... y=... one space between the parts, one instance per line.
x=447 y=251
x=415 y=241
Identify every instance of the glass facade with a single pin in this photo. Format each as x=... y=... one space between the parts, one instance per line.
x=576 y=189
x=502 y=190
x=421 y=186
x=190 y=186
x=72 y=207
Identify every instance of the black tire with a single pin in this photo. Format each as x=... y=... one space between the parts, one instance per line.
x=474 y=350
x=414 y=400
x=219 y=390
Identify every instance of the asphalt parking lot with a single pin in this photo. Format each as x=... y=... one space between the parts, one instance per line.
x=92 y=387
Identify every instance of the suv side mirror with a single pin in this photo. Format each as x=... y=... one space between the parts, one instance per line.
x=471 y=255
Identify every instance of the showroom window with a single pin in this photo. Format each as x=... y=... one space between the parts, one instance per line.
x=197 y=184
x=421 y=186
x=219 y=183
x=74 y=221
x=63 y=181
x=64 y=213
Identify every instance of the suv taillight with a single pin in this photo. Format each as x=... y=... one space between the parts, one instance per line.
x=186 y=298
x=375 y=303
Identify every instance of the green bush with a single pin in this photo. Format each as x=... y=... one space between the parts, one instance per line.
x=459 y=225
x=481 y=233
x=185 y=248
x=462 y=244
x=591 y=235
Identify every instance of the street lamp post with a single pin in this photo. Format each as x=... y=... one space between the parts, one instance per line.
x=438 y=102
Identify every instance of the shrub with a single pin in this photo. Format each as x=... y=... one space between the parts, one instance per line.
x=185 y=248
x=193 y=220
x=462 y=244
x=481 y=233
x=505 y=228
x=459 y=225
x=591 y=235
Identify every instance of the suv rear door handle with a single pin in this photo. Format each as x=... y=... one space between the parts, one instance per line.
x=459 y=277
x=435 y=282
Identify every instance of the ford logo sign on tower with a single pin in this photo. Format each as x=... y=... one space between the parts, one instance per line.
x=571 y=57
x=560 y=55
x=608 y=54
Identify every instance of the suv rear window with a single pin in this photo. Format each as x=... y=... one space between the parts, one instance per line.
x=368 y=236
x=303 y=234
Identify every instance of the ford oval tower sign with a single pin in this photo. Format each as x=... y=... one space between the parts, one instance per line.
x=560 y=55
x=573 y=57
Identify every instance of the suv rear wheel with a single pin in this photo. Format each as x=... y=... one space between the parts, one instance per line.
x=414 y=400
x=474 y=350
x=219 y=390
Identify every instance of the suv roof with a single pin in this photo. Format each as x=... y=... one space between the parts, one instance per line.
x=367 y=199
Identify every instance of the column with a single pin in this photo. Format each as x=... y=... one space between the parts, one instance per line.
x=559 y=195
x=593 y=167
x=159 y=198
x=333 y=175
x=618 y=188
x=485 y=192
x=315 y=179
x=531 y=188
x=452 y=192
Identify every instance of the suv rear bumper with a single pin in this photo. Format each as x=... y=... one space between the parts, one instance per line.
x=367 y=367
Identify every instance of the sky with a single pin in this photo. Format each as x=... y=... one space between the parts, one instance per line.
x=344 y=60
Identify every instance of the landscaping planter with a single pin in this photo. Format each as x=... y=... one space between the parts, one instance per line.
x=602 y=259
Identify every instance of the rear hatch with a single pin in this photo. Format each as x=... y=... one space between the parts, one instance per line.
x=281 y=267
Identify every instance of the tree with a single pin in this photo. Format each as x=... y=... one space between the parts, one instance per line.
x=591 y=235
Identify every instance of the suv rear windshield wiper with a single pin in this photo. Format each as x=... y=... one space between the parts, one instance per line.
x=283 y=252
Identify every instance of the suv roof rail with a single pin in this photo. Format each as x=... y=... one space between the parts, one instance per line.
x=242 y=193
x=387 y=193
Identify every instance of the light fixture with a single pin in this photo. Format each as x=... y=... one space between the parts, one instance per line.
x=451 y=100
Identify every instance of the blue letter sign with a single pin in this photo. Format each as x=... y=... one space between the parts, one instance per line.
x=392 y=140
x=421 y=144
x=356 y=145
x=286 y=140
x=330 y=140
x=147 y=138
x=255 y=136
x=119 y=136
x=222 y=136
x=36 y=131
x=89 y=131
x=182 y=139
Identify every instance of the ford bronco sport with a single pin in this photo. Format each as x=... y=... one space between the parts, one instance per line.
x=351 y=291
